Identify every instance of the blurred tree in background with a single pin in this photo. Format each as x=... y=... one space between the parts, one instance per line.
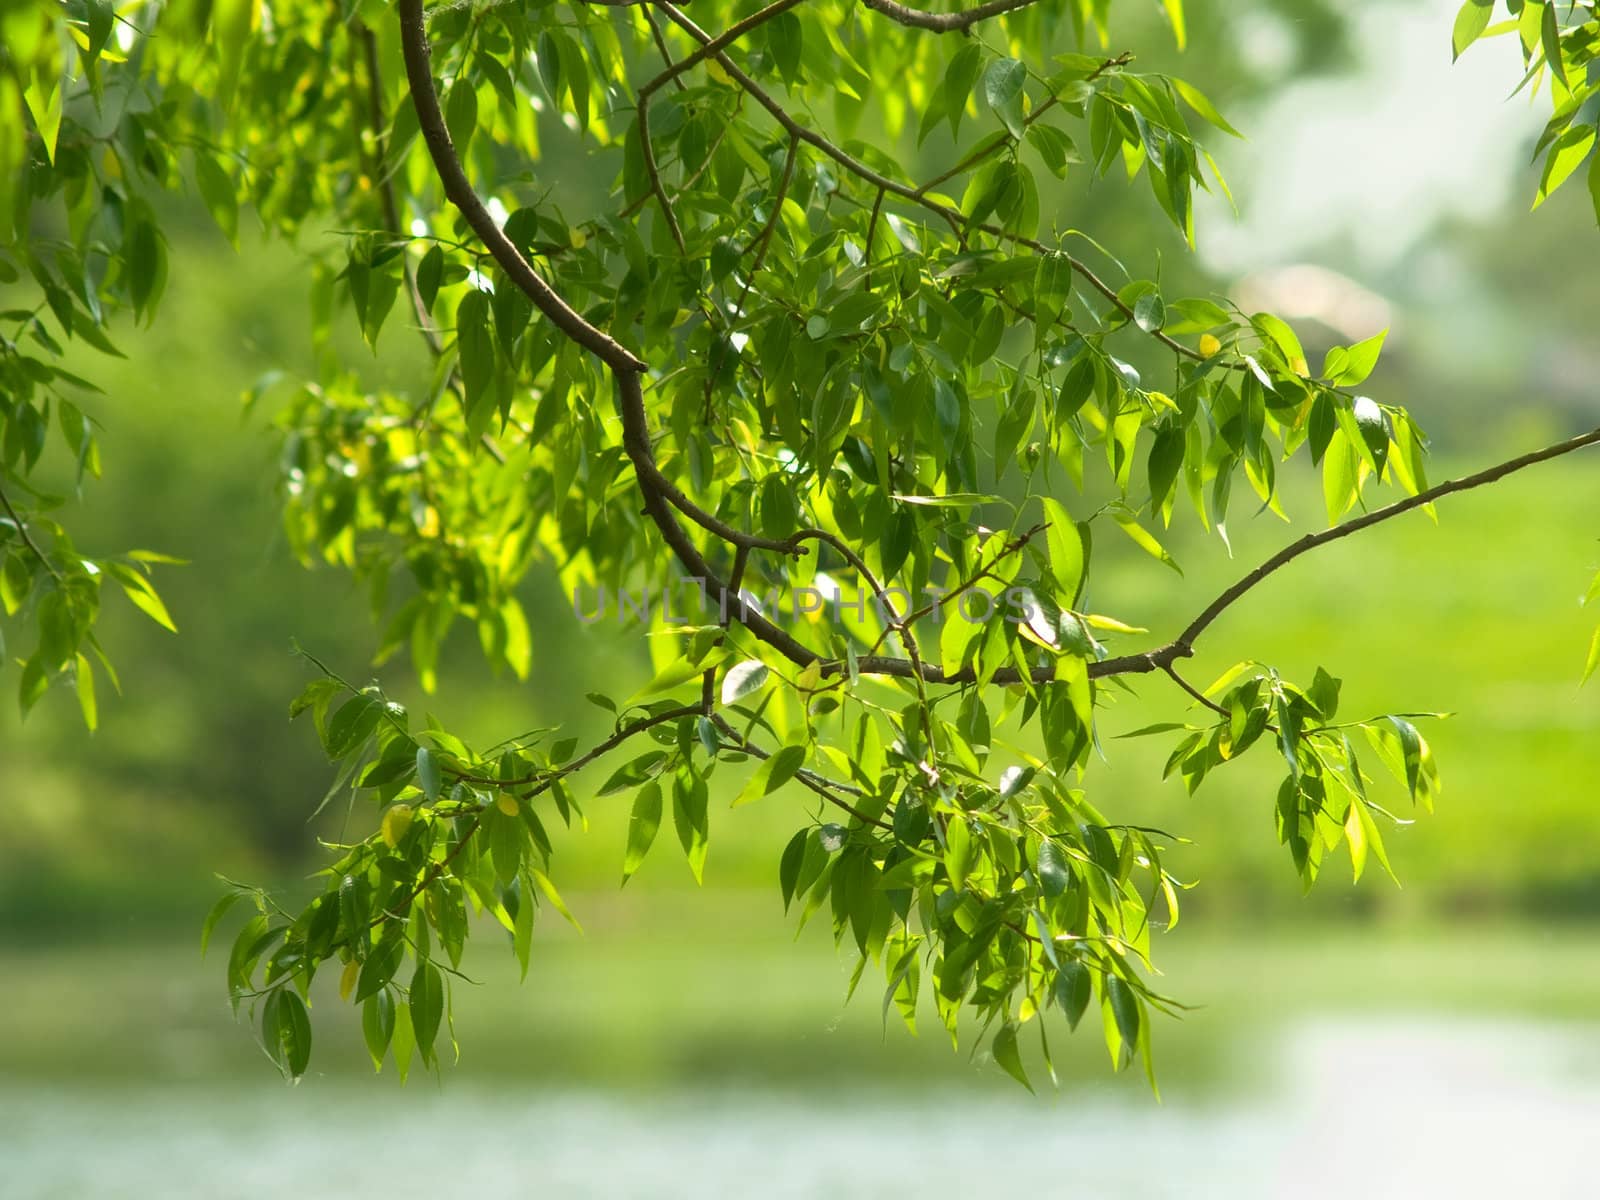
x=194 y=772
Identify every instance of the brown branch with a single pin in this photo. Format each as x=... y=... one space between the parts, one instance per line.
x=1005 y=138
x=820 y=784
x=872 y=232
x=653 y=173
x=1198 y=696
x=715 y=46
x=764 y=238
x=27 y=538
x=545 y=784
x=983 y=572
x=795 y=129
x=661 y=497
x=419 y=74
x=1182 y=645
x=659 y=491
x=891 y=620
x=955 y=22
x=906 y=192
x=661 y=45
x=759 y=246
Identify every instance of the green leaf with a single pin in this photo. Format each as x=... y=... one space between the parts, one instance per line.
x=789 y=865
x=1174 y=11
x=1594 y=185
x=1564 y=157
x=1142 y=538
x=959 y=81
x=548 y=887
x=691 y=819
x=1124 y=1009
x=677 y=673
x=1195 y=99
x=1355 y=833
x=377 y=1026
x=1594 y=658
x=1069 y=559
x=428 y=773
x=218 y=911
x=427 y=1007
x=1149 y=313
x=16 y=581
x=382 y=962
x=1054 y=877
x=1471 y=21
x=772 y=774
x=218 y=192
x=1339 y=465
x=643 y=823
x=143 y=594
x=430 y=274
x=403 y=1042
x=1007 y=1056
x=743 y=679
x=1324 y=694
x=522 y=934
x=84 y=678
x=958 y=851
x=1550 y=36
x=1350 y=366
x=634 y=773
x=286 y=1030
x=1003 y=82
x=1073 y=990
x=461 y=113
x=475 y=345
x=350 y=726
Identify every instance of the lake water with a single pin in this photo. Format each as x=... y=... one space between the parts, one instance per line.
x=1397 y=1106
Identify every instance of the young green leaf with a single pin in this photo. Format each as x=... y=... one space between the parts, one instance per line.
x=643 y=822
x=773 y=773
x=1471 y=21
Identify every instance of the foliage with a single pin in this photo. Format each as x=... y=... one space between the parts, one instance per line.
x=776 y=359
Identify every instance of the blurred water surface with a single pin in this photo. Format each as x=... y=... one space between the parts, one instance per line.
x=1403 y=1106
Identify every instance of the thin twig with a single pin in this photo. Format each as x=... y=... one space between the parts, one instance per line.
x=544 y=785
x=27 y=538
x=820 y=784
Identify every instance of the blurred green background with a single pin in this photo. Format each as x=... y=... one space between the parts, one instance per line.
x=1380 y=187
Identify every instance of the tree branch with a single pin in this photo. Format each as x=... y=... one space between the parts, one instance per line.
x=759 y=246
x=977 y=156
x=419 y=74
x=892 y=620
x=626 y=366
x=955 y=22
x=545 y=784
x=820 y=784
x=1181 y=647
x=983 y=572
x=1194 y=693
x=27 y=538
x=662 y=497
x=906 y=192
x=716 y=45
x=653 y=173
